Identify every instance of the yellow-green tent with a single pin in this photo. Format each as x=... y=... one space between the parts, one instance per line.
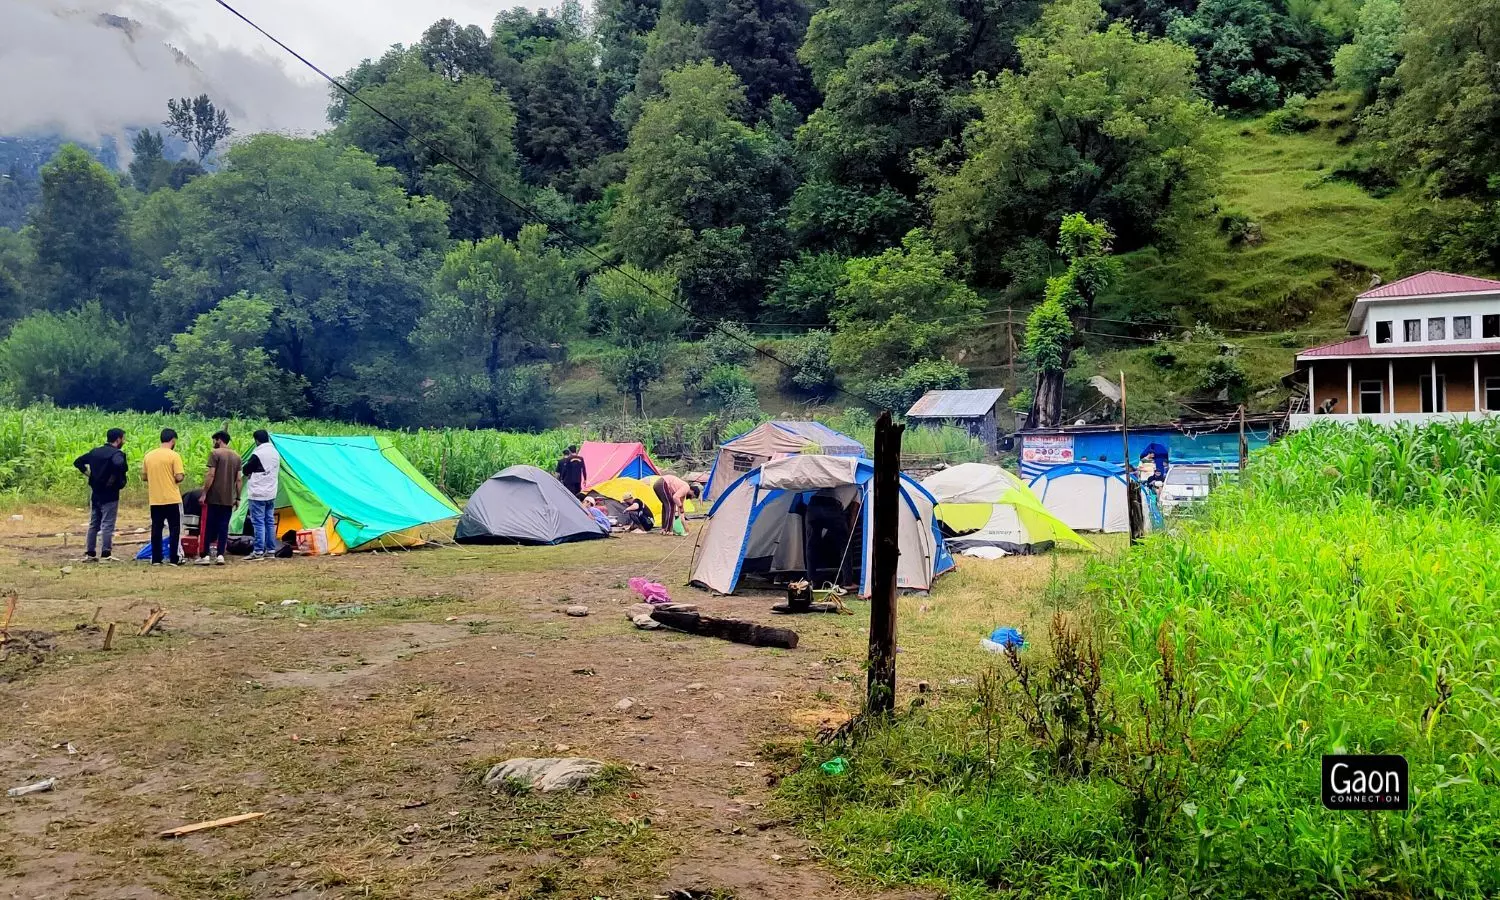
x=987 y=506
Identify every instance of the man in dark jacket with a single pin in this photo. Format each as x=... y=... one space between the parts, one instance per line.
x=571 y=471
x=106 y=469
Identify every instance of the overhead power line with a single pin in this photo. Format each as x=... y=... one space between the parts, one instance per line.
x=525 y=210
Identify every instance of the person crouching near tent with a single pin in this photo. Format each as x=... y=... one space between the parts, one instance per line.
x=221 y=494
x=637 y=517
x=673 y=493
x=263 y=469
x=163 y=472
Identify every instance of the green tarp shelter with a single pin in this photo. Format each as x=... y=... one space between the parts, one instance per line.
x=360 y=489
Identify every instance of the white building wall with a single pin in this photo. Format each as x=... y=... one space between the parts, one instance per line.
x=1398 y=311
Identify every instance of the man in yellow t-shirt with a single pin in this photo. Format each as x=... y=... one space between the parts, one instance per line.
x=162 y=469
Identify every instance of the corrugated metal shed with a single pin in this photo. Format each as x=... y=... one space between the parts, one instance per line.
x=955 y=404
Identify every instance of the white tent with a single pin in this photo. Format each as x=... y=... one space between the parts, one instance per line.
x=810 y=516
x=774 y=440
x=1089 y=497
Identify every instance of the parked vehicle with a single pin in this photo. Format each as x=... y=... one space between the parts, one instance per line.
x=1185 y=486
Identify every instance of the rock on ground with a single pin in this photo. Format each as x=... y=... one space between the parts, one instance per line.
x=546 y=774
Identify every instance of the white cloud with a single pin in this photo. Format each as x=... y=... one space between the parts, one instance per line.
x=78 y=68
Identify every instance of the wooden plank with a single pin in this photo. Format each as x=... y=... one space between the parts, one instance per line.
x=736 y=630
x=880 y=696
x=152 y=620
x=204 y=826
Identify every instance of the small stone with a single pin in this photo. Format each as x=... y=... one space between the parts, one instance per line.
x=290 y=602
x=577 y=611
x=413 y=828
x=67 y=570
x=625 y=704
x=696 y=686
x=295 y=865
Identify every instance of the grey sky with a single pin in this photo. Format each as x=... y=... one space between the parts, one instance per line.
x=66 y=67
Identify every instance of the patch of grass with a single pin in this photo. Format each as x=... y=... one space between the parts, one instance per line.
x=1341 y=601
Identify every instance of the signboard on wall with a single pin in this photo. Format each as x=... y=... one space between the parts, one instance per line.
x=1047 y=449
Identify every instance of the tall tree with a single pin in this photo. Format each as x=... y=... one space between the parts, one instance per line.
x=498 y=306
x=895 y=80
x=546 y=63
x=325 y=235
x=705 y=191
x=1365 y=63
x=636 y=311
x=759 y=40
x=1051 y=329
x=1446 y=121
x=1104 y=122
x=456 y=51
x=621 y=28
x=79 y=239
x=199 y=122
x=1253 y=54
x=220 y=366
x=466 y=119
x=148 y=164
x=899 y=308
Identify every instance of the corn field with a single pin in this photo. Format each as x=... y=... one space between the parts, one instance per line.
x=1345 y=600
x=39 y=443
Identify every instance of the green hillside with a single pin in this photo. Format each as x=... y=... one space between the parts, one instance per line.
x=1272 y=268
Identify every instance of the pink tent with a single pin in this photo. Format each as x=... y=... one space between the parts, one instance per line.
x=603 y=460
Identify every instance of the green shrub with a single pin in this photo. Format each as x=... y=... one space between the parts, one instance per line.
x=1291 y=117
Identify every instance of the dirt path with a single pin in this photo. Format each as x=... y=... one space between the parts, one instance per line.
x=362 y=717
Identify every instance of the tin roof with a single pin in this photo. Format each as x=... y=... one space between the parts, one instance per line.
x=1361 y=346
x=955 y=404
x=1426 y=284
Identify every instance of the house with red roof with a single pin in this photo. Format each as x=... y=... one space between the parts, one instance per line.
x=1425 y=347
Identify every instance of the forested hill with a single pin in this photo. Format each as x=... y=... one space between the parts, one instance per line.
x=590 y=213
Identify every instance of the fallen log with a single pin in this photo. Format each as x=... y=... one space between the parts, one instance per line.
x=736 y=630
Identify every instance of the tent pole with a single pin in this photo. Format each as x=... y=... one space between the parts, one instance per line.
x=881 y=692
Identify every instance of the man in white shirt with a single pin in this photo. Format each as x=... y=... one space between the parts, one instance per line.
x=262 y=469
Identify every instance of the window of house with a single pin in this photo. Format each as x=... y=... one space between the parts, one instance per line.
x=1372 y=396
x=1413 y=329
x=1492 y=393
x=1435 y=328
x=1425 y=382
x=1462 y=331
x=1382 y=332
x=1491 y=326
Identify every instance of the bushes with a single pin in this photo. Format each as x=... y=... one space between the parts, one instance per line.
x=76 y=357
x=899 y=392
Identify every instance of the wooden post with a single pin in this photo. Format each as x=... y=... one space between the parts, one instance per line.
x=1010 y=350
x=1244 y=445
x=109 y=635
x=10 y=611
x=881 y=693
x=1133 y=497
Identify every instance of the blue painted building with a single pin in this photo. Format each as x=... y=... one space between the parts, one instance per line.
x=1214 y=442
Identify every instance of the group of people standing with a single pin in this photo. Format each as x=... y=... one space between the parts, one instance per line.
x=227 y=478
x=671 y=491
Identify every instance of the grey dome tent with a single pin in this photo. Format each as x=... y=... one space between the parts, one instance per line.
x=525 y=505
